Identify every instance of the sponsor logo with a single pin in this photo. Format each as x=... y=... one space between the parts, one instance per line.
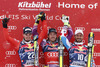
x=10 y=65
x=10 y=52
x=11 y=16
x=97 y=65
x=95 y=29
x=96 y=41
x=81 y=28
x=52 y=54
x=12 y=28
x=54 y=48
x=96 y=54
x=34 y=6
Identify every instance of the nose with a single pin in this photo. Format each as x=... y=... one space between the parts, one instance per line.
x=28 y=35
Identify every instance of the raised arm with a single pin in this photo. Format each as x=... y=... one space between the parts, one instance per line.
x=41 y=17
x=66 y=27
x=6 y=35
x=43 y=32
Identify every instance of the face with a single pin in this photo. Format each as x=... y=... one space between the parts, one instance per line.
x=79 y=37
x=27 y=36
x=52 y=36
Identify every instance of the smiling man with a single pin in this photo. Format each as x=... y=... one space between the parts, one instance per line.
x=25 y=48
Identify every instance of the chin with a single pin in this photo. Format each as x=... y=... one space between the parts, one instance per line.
x=79 y=41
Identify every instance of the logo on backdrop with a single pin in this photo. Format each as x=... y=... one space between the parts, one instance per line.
x=81 y=28
x=12 y=27
x=96 y=54
x=96 y=41
x=95 y=29
x=10 y=53
x=10 y=65
x=34 y=6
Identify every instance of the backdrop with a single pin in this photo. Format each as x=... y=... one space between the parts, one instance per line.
x=84 y=14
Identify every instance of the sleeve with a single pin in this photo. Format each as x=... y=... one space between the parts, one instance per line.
x=43 y=32
x=70 y=33
x=66 y=42
x=34 y=30
x=66 y=39
x=64 y=32
x=43 y=43
x=10 y=39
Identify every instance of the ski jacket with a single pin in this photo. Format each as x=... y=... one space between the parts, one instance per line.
x=25 y=49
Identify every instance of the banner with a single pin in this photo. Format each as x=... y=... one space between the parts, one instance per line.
x=84 y=15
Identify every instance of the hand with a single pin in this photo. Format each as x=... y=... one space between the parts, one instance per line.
x=5 y=22
x=40 y=16
x=43 y=16
x=65 y=20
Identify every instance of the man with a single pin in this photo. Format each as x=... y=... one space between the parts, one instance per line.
x=26 y=46
x=50 y=46
x=78 y=52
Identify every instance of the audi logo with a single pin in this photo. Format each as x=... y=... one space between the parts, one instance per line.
x=52 y=54
x=59 y=28
x=81 y=28
x=96 y=54
x=10 y=52
x=96 y=41
x=12 y=27
x=10 y=65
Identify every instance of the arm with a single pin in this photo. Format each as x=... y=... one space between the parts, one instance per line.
x=34 y=30
x=43 y=32
x=70 y=32
x=44 y=27
x=65 y=39
x=8 y=38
